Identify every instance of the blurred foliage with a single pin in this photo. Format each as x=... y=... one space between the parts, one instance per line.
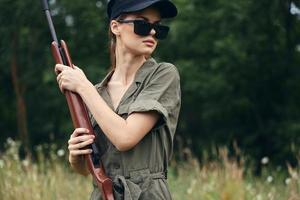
x=238 y=60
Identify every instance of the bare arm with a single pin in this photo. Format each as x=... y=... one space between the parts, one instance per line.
x=124 y=134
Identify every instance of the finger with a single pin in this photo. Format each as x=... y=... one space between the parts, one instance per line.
x=79 y=131
x=80 y=152
x=56 y=70
x=80 y=139
x=59 y=68
x=61 y=80
x=61 y=85
x=77 y=68
x=80 y=145
x=58 y=77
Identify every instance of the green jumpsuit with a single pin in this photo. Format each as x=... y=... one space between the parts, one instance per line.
x=141 y=172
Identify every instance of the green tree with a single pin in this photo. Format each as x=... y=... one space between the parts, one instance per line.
x=238 y=62
x=238 y=65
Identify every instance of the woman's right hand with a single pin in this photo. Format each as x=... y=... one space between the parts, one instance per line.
x=77 y=143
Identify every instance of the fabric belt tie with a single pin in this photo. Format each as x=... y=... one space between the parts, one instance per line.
x=131 y=188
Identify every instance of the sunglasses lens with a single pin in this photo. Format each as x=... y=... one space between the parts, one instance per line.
x=161 y=31
x=142 y=28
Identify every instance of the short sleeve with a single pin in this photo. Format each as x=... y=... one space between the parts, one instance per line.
x=161 y=93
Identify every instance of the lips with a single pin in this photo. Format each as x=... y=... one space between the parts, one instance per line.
x=149 y=42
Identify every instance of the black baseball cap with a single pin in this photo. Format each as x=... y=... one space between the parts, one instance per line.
x=117 y=7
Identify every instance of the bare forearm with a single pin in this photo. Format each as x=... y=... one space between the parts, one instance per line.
x=124 y=134
x=109 y=121
x=79 y=165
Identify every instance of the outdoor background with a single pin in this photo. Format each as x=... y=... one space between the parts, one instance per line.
x=239 y=62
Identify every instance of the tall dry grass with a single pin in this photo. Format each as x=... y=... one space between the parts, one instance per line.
x=50 y=178
x=228 y=178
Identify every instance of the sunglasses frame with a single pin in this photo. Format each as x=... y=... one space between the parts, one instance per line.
x=143 y=28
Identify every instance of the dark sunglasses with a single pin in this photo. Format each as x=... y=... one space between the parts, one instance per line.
x=143 y=28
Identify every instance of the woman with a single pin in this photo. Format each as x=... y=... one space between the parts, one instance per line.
x=134 y=110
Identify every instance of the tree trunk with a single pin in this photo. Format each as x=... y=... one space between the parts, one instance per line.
x=20 y=102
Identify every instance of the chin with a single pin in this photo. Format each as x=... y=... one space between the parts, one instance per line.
x=148 y=51
x=143 y=51
x=146 y=54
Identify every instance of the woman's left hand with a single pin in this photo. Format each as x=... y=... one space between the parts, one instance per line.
x=69 y=78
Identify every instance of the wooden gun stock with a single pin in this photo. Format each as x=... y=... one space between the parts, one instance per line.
x=80 y=119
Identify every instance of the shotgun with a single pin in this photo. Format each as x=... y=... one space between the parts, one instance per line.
x=79 y=112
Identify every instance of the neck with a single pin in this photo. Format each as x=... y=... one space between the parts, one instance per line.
x=127 y=65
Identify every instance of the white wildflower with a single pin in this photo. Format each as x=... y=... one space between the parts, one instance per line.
x=1 y=164
x=61 y=152
x=69 y=19
x=270 y=195
x=269 y=179
x=258 y=197
x=25 y=163
x=52 y=2
x=298 y=48
x=287 y=181
x=294 y=10
x=99 y=4
x=265 y=160
x=10 y=142
x=190 y=189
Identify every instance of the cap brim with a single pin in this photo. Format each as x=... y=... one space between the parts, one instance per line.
x=166 y=8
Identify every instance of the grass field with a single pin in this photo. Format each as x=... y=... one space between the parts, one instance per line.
x=51 y=178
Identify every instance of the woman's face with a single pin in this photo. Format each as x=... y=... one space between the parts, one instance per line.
x=131 y=42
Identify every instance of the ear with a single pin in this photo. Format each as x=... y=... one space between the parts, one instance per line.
x=114 y=27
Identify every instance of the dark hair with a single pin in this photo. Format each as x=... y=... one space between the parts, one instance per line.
x=112 y=43
x=112 y=48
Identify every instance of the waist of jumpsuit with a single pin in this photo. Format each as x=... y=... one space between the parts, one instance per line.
x=137 y=176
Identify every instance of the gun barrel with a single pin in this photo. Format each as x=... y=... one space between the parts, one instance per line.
x=45 y=4
x=50 y=22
